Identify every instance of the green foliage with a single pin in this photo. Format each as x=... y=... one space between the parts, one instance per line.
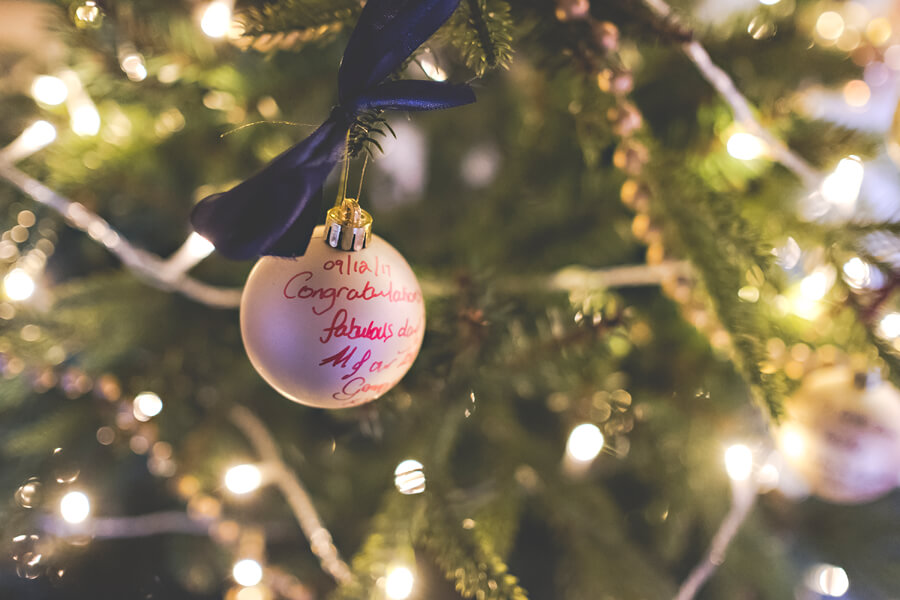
x=728 y=255
x=467 y=556
x=482 y=32
x=291 y=24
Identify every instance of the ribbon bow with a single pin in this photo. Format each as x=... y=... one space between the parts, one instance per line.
x=273 y=212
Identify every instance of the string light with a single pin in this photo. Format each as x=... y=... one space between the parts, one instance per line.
x=828 y=580
x=18 y=285
x=216 y=19
x=830 y=25
x=841 y=187
x=36 y=136
x=132 y=63
x=85 y=120
x=399 y=583
x=857 y=273
x=198 y=246
x=243 y=479
x=194 y=249
x=792 y=442
x=75 y=507
x=146 y=406
x=585 y=442
x=409 y=477
x=857 y=93
x=739 y=462
x=890 y=325
x=814 y=286
x=745 y=146
x=49 y=90
x=247 y=572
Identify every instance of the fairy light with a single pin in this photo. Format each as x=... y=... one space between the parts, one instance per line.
x=75 y=507
x=585 y=443
x=814 y=286
x=841 y=187
x=216 y=19
x=34 y=137
x=432 y=70
x=132 y=63
x=399 y=583
x=857 y=93
x=857 y=272
x=890 y=325
x=409 y=477
x=146 y=406
x=85 y=120
x=739 y=462
x=828 y=580
x=194 y=249
x=243 y=479
x=18 y=285
x=247 y=572
x=745 y=146
x=49 y=90
x=830 y=25
x=792 y=442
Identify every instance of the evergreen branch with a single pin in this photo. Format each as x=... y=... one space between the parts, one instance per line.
x=482 y=31
x=466 y=558
x=289 y=24
x=389 y=540
x=720 y=245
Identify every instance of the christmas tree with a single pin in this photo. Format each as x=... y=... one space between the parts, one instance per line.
x=658 y=258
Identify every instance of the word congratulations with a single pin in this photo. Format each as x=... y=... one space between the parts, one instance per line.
x=296 y=288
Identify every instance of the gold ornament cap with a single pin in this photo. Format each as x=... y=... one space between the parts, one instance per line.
x=347 y=226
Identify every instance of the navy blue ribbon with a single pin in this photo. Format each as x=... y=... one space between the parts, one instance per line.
x=274 y=212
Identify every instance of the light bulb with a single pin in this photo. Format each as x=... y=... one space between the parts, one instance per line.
x=243 y=479
x=830 y=25
x=75 y=507
x=198 y=246
x=739 y=462
x=216 y=19
x=828 y=580
x=18 y=285
x=247 y=572
x=890 y=325
x=409 y=477
x=792 y=442
x=585 y=442
x=745 y=146
x=146 y=406
x=857 y=273
x=49 y=90
x=815 y=285
x=38 y=135
x=841 y=187
x=85 y=120
x=399 y=583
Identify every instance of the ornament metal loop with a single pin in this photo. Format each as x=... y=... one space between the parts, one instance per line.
x=347 y=226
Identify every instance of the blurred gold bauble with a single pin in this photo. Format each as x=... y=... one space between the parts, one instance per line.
x=841 y=434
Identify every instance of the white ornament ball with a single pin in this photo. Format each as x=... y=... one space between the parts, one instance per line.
x=333 y=328
x=842 y=436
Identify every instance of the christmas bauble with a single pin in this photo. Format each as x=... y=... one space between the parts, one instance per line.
x=333 y=328
x=841 y=434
